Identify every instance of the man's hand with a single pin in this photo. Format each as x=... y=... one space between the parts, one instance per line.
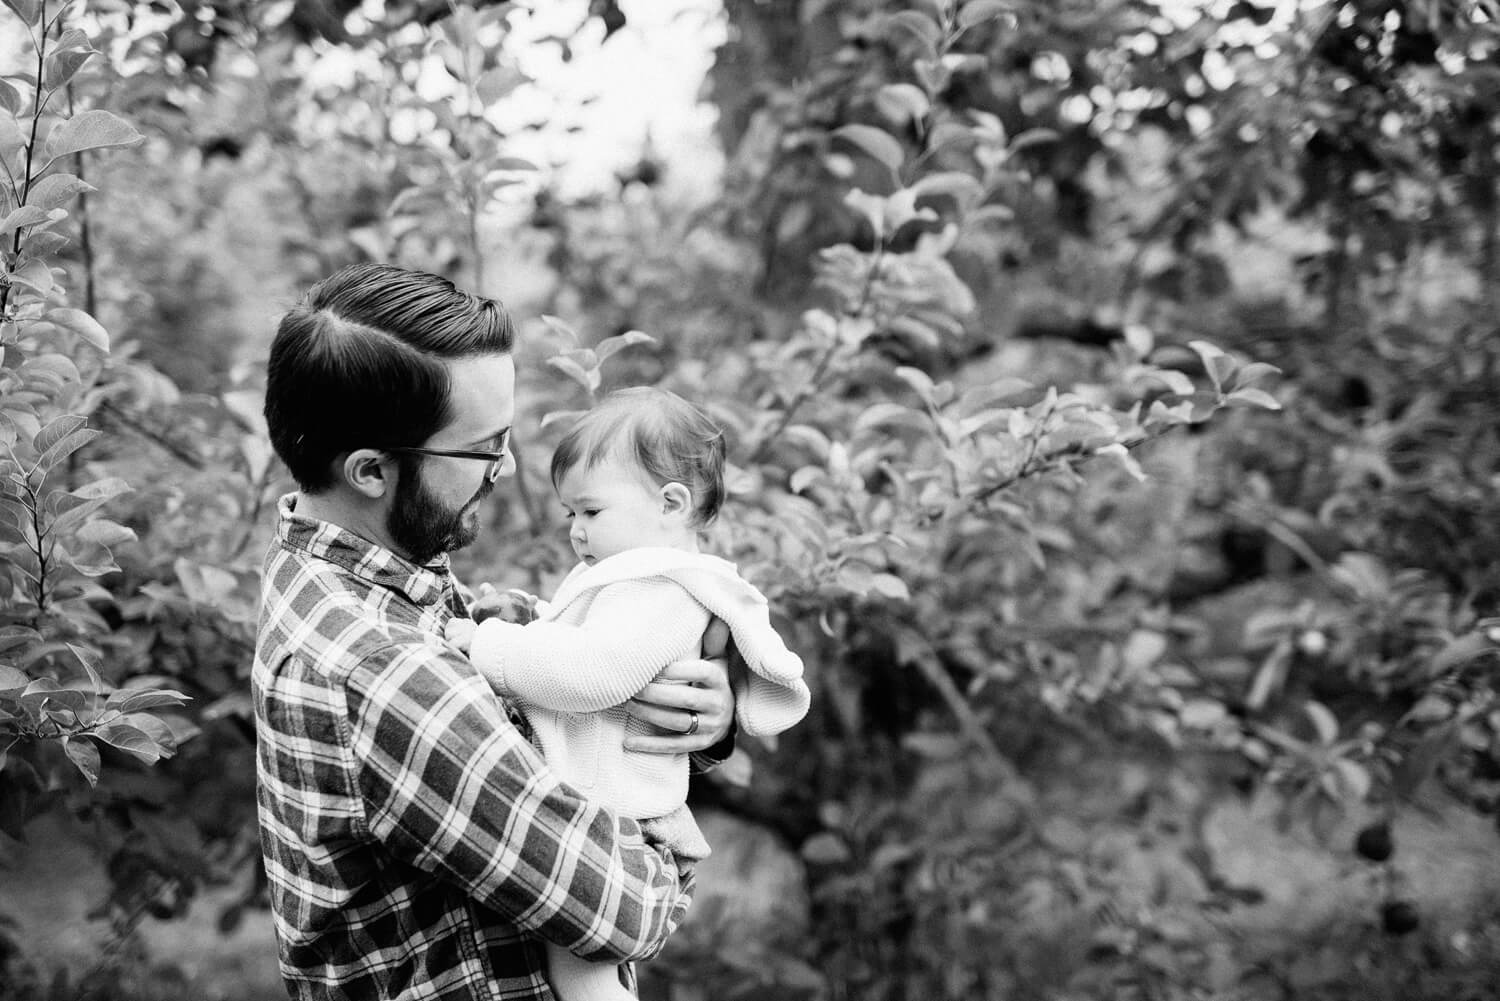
x=690 y=701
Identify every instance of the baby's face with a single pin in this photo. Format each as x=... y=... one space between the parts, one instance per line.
x=614 y=507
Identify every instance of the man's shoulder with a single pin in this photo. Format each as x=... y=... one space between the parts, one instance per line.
x=321 y=615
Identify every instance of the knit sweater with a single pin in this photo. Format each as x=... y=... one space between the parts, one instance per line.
x=608 y=631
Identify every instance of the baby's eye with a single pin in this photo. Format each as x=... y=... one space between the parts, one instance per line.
x=591 y=511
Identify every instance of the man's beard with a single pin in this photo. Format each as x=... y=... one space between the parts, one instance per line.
x=420 y=525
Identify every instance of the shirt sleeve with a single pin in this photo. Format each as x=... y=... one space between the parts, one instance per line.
x=451 y=787
x=710 y=758
x=631 y=632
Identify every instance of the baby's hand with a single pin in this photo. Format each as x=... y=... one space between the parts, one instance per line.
x=460 y=632
x=513 y=605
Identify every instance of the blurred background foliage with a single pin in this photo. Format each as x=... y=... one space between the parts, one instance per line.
x=1110 y=388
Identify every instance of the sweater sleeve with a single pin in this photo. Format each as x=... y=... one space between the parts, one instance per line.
x=632 y=630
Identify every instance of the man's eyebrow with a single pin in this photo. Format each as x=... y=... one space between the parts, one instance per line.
x=491 y=437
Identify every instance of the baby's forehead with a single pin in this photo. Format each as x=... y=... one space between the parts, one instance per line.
x=612 y=469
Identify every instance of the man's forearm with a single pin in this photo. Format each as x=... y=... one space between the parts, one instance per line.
x=479 y=808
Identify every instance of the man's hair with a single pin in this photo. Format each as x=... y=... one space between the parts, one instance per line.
x=671 y=441
x=360 y=363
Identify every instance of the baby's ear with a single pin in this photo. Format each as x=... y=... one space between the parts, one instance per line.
x=676 y=499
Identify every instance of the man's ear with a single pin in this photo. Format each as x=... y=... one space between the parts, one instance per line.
x=366 y=470
x=676 y=500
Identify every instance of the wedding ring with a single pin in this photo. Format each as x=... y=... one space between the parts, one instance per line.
x=692 y=726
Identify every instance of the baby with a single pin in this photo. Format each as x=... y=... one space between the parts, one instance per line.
x=639 y=476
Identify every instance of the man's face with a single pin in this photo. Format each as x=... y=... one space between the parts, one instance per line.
x=435 y=507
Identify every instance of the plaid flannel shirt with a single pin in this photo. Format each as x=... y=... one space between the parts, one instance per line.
x=416 y=845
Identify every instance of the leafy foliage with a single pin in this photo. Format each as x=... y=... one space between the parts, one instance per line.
x=988 y=303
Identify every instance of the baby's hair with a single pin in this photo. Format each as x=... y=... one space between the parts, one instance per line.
x=671 y=441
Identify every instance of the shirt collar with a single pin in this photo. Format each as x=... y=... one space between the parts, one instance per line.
x=422 y=585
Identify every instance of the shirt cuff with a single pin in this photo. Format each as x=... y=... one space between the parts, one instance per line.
x=712 y=757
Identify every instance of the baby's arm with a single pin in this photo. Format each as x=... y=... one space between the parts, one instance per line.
x=510 y=605
x=631 y=632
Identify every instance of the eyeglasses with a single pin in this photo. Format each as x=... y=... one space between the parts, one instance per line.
x=495 y=459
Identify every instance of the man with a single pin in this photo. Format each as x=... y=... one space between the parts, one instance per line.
x=416 y=845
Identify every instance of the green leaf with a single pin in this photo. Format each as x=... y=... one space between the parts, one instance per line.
x=901 y=208
x=559 y=417
x=1176 y=382
x=86 y=658
x=66 y=447
x=56 y=190
x=72 y=39
x=26 y=215
x=82 y=324
x=902 y=102
x=976 y=422
x=991 y=213
x=587 y=378
x=1325 y=723
x=918 y=24
x=84 y=755
x=918 y=380
x=12 y=680
x=494 y=84
x=29 y=11
x=57 y=697
x=878 y=143
x=93 y=129
x=42 y=243
x=71 y=512
x=157 y=729
x=1201 y=714
x=965 y=190
x=203 y=583
x=1254 y=372
x=56 y=430
x=1458 y=651
x=561 y=328
x=871 y=206
x=887 y=415
x=1255 y=398
x=1004 y=388
x=51 y=370
x=803 y=478
x=1354 y=779
x=810 y=438
x=105 y=489
x=1216 y=363
x=63 y=64
x=35 y=275
x=512 y=163
x=106 y=533
x=130 y=739
x=87 y=569
x=15 y=635
x=134 y=700
x=1032 y=137
x=12 y=140
x=10 y=98
x=611 y=345
x=978 y=11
